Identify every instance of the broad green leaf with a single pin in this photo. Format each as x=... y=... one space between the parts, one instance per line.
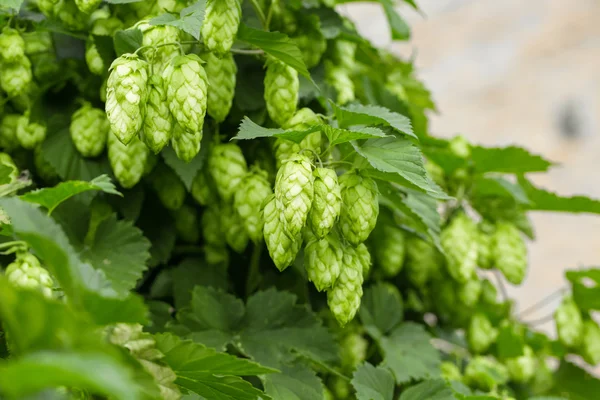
x=337 y=135
x=574 y=383
x=128 y=41
x=382 y=307
x=543 y=200
x=373 y=383
x=275 y=44
x=250 y=130
x=221 y=388
x=435 y=389
x=14 y=4
x=498 y=186
x=359 y=114
x=158 y=227
x=510 y=160
x=398 y=27
x=50 y=198
x=296 y=382
x=185 y=278
x=186 y=171
x=5 y=172
x=510 y=342
x=190 y=19
x=586 y=288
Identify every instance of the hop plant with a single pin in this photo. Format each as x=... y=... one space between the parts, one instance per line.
x=15 y=77
x=282 y=245
x=281 y=91
x=203 y=189
x=221 y=22
x=87 y=6
x=327 y=201
x=12 y=45
x=509 y=252
x=227 y=167
x=89 y=130
x=354 y=351
x=459 y=241
x=233 y=226
x=128 y=161
x=360 y=206
x=590 y=344
x=30 y=134
x=221 y=74
x=160 y=38
x=294 y=191
x=169 y=188
x=157 y=127
x=323 y=260
x=345 y=295
x=569 y=323
x=423 y=260
x=522 y=368
x=8 y=131
x=481 y=334
x=389 y=247
x=186 y=223
x=253 y=190
x=26 y=272
x=126 y=91
x=339 y=79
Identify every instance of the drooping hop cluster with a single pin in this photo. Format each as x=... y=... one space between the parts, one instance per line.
x=282 y=245
x=221 y=22
x=227 y=167
x=221 y=74
x=29 y=134
x=327 y=202
x=303 y=119
x=26 y=272
x=569 y=323
x=89 y=130
x=460 y=243
x=169 y=188
x=157 y=128
x=15 y=72
x=481 y=334
x=249 y=197
x=345 y=295
x=323 y=260
x=128 y=161
x=423 y=261
x=281 y=91
x=294 y=192
x=509 y=252
x=389 y=247
x=360 y=206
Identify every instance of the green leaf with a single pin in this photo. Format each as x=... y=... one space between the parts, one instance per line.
x=574 y=383
x=221 y=388
x=498 y=186
x=510 y=342
x=381 y=307
x=373 y=383
x=185 y=278
x=399 y=28
x=510 y=160
x=106 y=48
x=190 y=19
x=297 y=382
x=435 y=389
x=337 y=135
x=128 y=41
x=543 y=200
x=250 y=130
x=275 y=44
x=14 y=4
x=359 y=114
x=586 y=288
x=186 y=171
x=50 y=198
x=5 y=172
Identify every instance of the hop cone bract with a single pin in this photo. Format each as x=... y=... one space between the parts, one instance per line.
x=12 y=45
x=360 y=207
x=569 y=323
x=169 y=188
x=294 y=192
x=345 y=295
x=221 y=22
x=590 y=345
x=233 y=227
x=89 y=130
x=389 y=246
x=158 y=121
x=283 y=246
x=460 y=243
x=26 y=272
x=15 y=77
x=221 y=74
x=509 y=252
x=327 y=201
x=281 y=91
x=128 y=161
x=423 y=261
x=323 y=261
x=227 y=167
x=253 y=190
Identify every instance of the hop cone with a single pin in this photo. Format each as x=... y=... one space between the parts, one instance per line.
x=450 y=371
x=481 y=334
x=354 y=351
x=281 y=91
x=312 y=45
x=186 y=84
x=30 y=134
x=284 y=149
x=221 y=74
x=26 y=272
x=253 y=190
x=459 y=241
x=469 y=292
x=173 y=6
x=8 y=132
x=203 y=189
x=221 y=22
x=37 y=42
x=127 y=160
x=364 y=255
x=12 y=45
x=340 y=80
x=327 y=201
x=344 y=297
x=15 y=77
x=87 y=6
x=89 y=130
x=107 y=26
x=185 y=143
x=590 y=345
x=158 y=121
x=323 y=261
x=390 y=248
x=212 y=231
x=186 y=223
x=423 y=261
x=484 y=249
x=160 y=35
x=169 y=188
x=521 y=369
x=233 y=226
x=283 y=247
x=510 y=252
x=294 y=192
x=344 y=54
x=360 y=207
x=227 y=167
x=68 y=13
x=485 y=373
x=126 y=91
x=93 y=58
x=302 y=120
x=569 y=323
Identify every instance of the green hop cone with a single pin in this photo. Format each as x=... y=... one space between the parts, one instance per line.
x=93 y=59
x=323 y=261
x=221 y=22
x=37 y=42
x=203 y=189
x=459 y=241
x=221 y=74
x=30 y=134
x=281 y=91
x=450 y=371
x=126 y=91
x=302 y=120
x=509 y=252
x=185 y=143
x=344 y=54
x=158 y=121
x=187 y=85
x=173 y=6
x=253 y=190
x=423 y=261
x=339 y=78
x=12 y=45
x=485 y=373
x=364 y=255
x=284 y=149
x=212 y=230
x=127 y=160
x=294 y=192
x=521 y=369
x=186 y=223
x=227 y=166
x=169 y=188
x=345 y=295
x=312 y=44
x=87 y=6
x=569 y=323
x=360 y=206
x=484 y=250
x=469 y=292
x=106 y=26
x=8 y=131
x=69 y=14
x=590 y=345
x=283 y=246
x=26 y=272
x=327 y=201
x=489 y=293
x=89 y=130
x=15 y=77
x=481 y=334
x=157 y=37
x=389 y=246
x=233 y=226
x=354 y=351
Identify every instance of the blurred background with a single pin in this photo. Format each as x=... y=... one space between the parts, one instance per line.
x=516 y=72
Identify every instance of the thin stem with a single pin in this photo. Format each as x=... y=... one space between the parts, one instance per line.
x=259 y=12
x=543 y=302
x=248 y=52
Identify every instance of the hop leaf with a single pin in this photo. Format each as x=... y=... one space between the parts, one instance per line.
x=423 y=261
x=590 y=345
x=283 y=246
x=344 y=297
x=221 y=22
x=294 y=192
x=221 y=74
x=227 y=167
x=481 y=334
x=12 y=45
x=253 y=190
x=389 y=247
x=128 y=161
x=158 y=121
x=169 y=188
x=327 y=201
x=281 y=91
x=87 y=6
x=89 y=130
x=30 y=134
x=360 y=207
x=509 y=252
x=459 y=241
x=44 y=169
x=323 y=261
x=126 y=92
x=569 y=323
x=15 y=77
x=26 y=272
x=233 y=227
x=521 y=369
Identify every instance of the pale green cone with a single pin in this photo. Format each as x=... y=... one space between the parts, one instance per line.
x=469 y=292
x=281 y=91
x=47 y=7
x=160 y=35
x=30 y=134
x=590 y=345
x=186 y=223
x=485 y=373
x=106 y=26
x=173 y=6
x=127 y=161
x=227 y=166
x=339 y=79
x=157 y=128
x=294 y=192
x=509 y=252
x=360 y=206
x=481 y=334
x=323 y=261
x=186 y=143
x=212 y=229
x=8 y=132
x=253 y=190
x=221 y=23
x=423 y=261
x=364 y=255
x=450 y=372
x=283 y=247
x=68 y=13
x=187 y=85
x=26 y=272
x=93 y=59
x=484 y=250
x=284 y=149
x=354 y=351
x=303 y=119
x=344 y=297
x=489 y=293
x=12 y=45
x=89 y=130
x=203 y=189
x=221 y=73
x=15 y=77
x=37 y=42
x=87 y=6
x=344 y=54
x=167 y=185
x=389 y=246
x=327 y=201
x=521 y=369
x=216 y=254
x=126 y=92
x=235 y=233
x=460 y=243
x=569 y=323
